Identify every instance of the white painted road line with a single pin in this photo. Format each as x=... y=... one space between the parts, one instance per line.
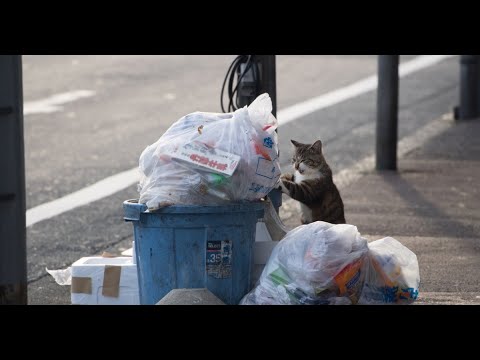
x=97 y=191
x=118 y=182
x=53 y=103
x=299 y=110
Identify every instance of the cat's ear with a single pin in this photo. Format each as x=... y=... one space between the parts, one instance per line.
x=295 y=143
x=317 y=145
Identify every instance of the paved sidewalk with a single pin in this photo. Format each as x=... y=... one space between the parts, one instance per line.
x=431 y=205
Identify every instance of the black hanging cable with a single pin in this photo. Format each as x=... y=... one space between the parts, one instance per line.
x=231 y=76
x=247 y=67
x=233 y=67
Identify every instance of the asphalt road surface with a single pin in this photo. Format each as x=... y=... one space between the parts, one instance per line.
x=111 y=107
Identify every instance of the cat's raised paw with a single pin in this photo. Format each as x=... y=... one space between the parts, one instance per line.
x=287 y=177
x=283 y=188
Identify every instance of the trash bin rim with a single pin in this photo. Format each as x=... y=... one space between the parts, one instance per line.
x=244 y=206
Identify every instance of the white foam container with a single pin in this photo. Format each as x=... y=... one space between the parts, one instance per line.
x=93 y=268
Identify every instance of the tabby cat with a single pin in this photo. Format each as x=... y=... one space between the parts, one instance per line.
x=312 y=185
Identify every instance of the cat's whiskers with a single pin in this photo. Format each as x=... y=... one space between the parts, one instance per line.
x=306 y=173
x=299 y=177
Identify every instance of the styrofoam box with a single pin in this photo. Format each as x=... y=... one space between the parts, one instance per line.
x=94 y=267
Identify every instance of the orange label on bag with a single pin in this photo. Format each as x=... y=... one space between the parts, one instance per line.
x=349 y=277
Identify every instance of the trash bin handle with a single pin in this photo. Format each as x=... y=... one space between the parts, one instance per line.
x=132 y=210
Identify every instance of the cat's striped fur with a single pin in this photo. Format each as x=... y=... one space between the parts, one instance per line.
x=312 y=185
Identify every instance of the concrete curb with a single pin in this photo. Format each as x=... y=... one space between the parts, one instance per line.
x=190 y=297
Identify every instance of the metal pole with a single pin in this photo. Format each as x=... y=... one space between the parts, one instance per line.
x=247 y=87
x=268 y=83
x=13 y=259
x=469 y=87
x=387 y=112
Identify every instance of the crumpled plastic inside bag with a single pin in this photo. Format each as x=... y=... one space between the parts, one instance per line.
x=209 y=158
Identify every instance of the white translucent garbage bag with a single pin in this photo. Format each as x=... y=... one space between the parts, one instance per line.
x=209 y=158
x=322 y=263
x=392 y=274
x=318 y=263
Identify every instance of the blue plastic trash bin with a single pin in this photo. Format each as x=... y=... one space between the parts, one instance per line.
x=194 y=247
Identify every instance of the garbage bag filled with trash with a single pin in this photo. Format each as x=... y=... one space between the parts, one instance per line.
x=321 y=263
x=209 y=158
